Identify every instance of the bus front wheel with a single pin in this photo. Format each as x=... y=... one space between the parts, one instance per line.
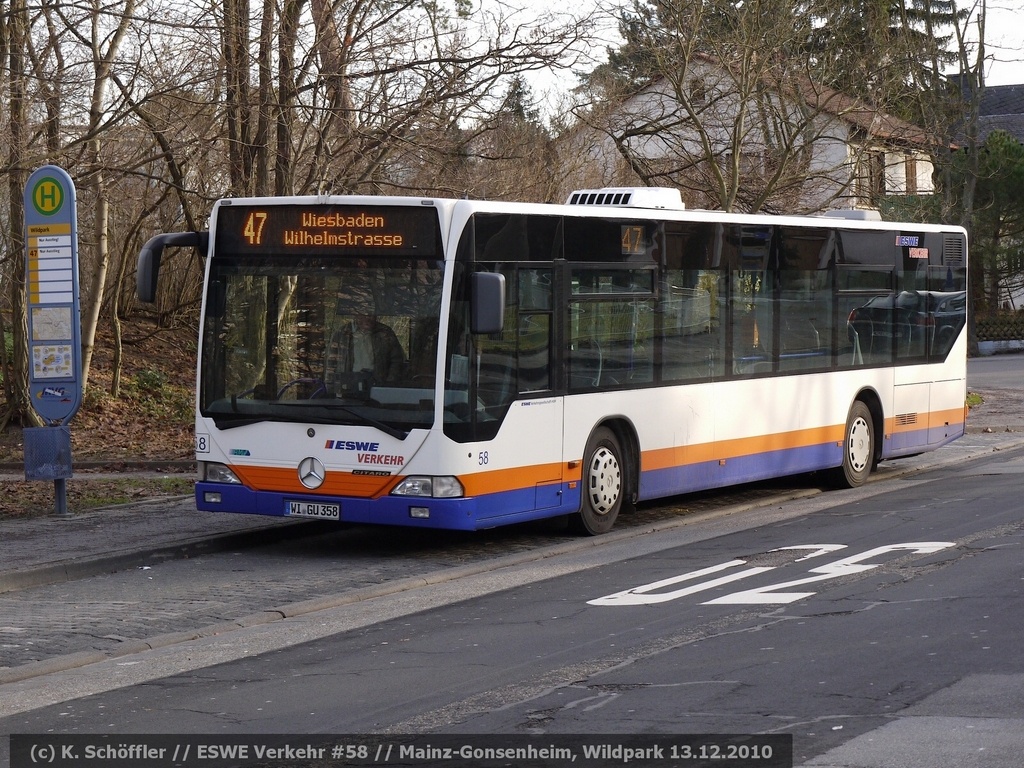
x=603 y=484
x=858 y=448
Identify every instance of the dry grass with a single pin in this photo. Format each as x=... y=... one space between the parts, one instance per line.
x=138 y=445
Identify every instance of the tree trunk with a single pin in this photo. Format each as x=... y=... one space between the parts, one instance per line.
x=237 y=95
x=115 y=372
x=16 y=388
x=99 y=279
x=283 y=164
x=102 y=63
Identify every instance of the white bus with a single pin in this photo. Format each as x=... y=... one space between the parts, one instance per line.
x=532 y=360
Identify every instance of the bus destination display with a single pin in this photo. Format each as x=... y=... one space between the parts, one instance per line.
x=350 y=230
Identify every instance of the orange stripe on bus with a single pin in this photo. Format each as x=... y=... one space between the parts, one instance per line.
x=498 y=480
x=684 y=455
x=286 y=480
x=896 y=424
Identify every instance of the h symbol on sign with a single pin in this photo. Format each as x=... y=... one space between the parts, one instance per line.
x=48 y=195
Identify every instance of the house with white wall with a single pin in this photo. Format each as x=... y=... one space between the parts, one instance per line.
x=728 y=139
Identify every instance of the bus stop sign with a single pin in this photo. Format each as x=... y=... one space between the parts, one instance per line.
x=51 y=278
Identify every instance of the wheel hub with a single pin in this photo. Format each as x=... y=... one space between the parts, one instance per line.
x=859 y=446
x=604 y=481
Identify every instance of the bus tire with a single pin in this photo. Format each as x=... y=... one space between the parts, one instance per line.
x=603 y=484
x=858 y=448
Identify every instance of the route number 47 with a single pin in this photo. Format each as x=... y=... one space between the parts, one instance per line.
x=773 y=594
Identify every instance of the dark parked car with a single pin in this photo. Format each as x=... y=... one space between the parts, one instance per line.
x=913 y=323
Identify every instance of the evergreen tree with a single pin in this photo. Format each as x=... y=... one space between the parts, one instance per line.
x=998 y=227
x=885 y=52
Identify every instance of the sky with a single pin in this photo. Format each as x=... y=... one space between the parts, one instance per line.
x=1005 y=33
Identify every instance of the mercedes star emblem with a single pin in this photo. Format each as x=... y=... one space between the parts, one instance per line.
x=311 y=472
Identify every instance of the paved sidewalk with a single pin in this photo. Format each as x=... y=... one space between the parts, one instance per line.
x=1001 y=411
x=52 y=549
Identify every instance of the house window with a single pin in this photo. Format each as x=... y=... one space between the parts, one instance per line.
x=871 y=179
x=911 y=175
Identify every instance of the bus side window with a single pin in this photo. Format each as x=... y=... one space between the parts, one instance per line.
x=691 y=331
x=611 y=326
x=866 y=305
x=948 y=308
x=805 y=298
x=535 y=326
x=590 y=345
x=751 y=291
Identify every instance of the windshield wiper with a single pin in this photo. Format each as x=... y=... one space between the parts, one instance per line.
x=382 y=426
x=232 y=420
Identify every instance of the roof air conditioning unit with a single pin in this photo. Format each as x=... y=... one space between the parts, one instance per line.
x=629 y=197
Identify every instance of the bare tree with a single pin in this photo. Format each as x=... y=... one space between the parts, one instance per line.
x=157 y=108
x=509 y=155
x=721 y=100
x=16 y=370
x=102 y=58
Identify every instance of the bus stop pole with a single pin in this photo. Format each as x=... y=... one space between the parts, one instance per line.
x=60 y=497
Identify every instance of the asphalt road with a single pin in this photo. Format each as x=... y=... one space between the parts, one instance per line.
x=892 y=641
x=996 y=372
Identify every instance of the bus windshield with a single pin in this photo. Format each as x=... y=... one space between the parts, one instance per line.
x=318 y=339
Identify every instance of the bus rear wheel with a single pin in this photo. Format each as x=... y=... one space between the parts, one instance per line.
x=604 y=484
x=858 y=448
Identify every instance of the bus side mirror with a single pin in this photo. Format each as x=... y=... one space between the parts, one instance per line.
x=148 y=269
x=487 y=302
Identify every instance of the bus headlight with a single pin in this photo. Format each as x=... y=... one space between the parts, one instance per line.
x=446 y=487
x=213 y=472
